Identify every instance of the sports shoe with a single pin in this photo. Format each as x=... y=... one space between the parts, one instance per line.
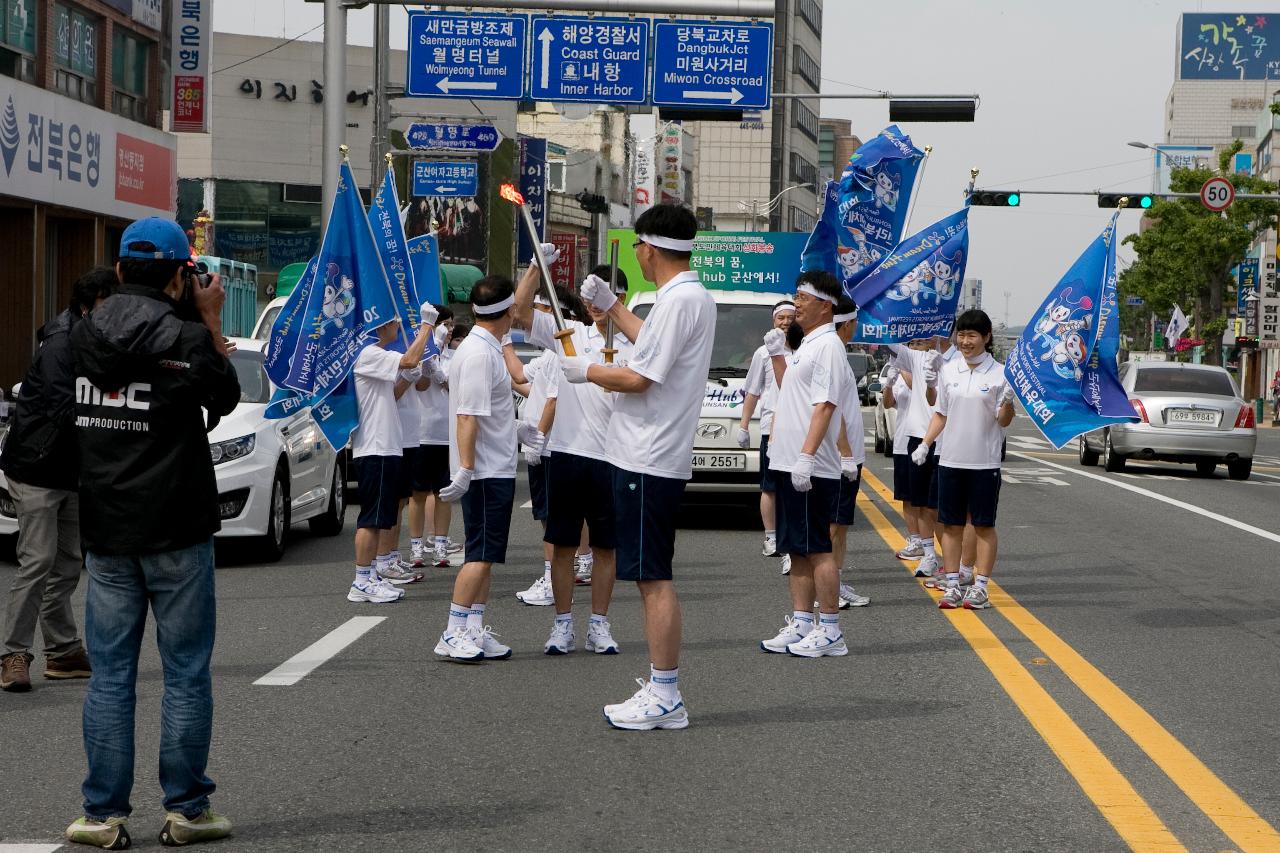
x=770 y=548
x=70 y=665
x=599 y=638
x=180 y=830
x=819 y=643
x=459 y=644
x=418 y=557
x=635 y=697
x=452 y=547
x=966 y=578
x=951 y=599
x=582 y=571
x=850 y=598
x=440 y=557
x=486 y=640
x=792 y=632
x=913 y=550
x=538 y=595
x=372 y=592
x=15 y=672
x=561 y=641
x=976 y=598
x=399 y=573
x=927 y=566
x=786 y=564
x=938 y=581
x=109 y=834
x=645 y=711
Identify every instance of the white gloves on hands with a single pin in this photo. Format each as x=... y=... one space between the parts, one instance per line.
x=412 y=374
x=458 y=486
x=575 y=368
x=596 y=291
x=1006 y=396
x=849 y=468
x=891 y=376
x=442 y=336
x=802 y=473
x=505 y=342
x=435 y=371
x=744 y=438
x=921 y=454
x=428 y=314
x=930 y=364
x=550 y=254
x=534 y=445
x=527 y=433
x=775 y=342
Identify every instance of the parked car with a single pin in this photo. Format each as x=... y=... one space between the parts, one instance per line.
x=8 y=510
x=865 y=370
x=1189 y=413
x=886 y=420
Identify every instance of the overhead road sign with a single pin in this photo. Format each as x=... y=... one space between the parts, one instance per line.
x=705 y=64
x=446 y=178
x=1217 y=194
x=426 y=136
x=466 y=56
x=596 y=60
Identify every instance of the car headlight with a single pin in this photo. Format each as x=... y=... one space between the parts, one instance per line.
x=232 y=449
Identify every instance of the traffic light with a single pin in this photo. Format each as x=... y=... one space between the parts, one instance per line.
x=592 y=203
x=996 y=198
x=1136 y=201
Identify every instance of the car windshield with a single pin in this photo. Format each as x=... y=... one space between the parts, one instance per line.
x=1176 y=380
x=255 y=387
x=268 y=320
x=861 y=363
x=739 y=333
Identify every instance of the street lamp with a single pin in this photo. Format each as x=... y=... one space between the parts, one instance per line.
x=754 y=207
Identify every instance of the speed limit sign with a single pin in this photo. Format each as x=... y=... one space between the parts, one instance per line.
x=1217 y=194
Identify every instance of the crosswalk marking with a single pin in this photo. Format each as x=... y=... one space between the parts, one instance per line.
x=304 y=662
x=29 y=848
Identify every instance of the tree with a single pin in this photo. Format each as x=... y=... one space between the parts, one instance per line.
x=1186 y=252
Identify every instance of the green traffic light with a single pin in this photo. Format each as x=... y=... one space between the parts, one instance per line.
x=1144 y=201
x=1014 y=199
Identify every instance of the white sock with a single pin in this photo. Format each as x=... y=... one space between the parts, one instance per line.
x=441 y=542
x=416 y=544
x=394 y=556
x=966 y=571
x=380 y=560
x=928 y=548
x=586 y=560
x=546 y=570
x=805 y=618
x=981 y=582
x=457 y=615
x=364 y=573
x=953 y=579
x=666 y=682
x=599 y=619
x=770 y=535
x=830 y=623
x=565 y=617
x=475 y=619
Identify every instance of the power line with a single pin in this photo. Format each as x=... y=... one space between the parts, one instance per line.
x=269 y=50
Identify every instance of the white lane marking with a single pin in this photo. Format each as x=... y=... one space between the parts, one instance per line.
x=29 y=848
x=1230 y=522
x=1268 y=476
x=527 y=505
x=1027 y=442
x=301 y=665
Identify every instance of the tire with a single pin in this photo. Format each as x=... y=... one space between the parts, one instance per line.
x=331 y=523
x=1206 y=467
x=270 y=547
x=1088 y=458
x=1111 y=461
x=879 y=440
x=1240 y=469
x=1004 y=449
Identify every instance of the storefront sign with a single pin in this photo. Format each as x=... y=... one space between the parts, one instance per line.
x=767 y=261
x=192 y=25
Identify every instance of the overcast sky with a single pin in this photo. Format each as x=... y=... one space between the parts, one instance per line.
x=1063 y=85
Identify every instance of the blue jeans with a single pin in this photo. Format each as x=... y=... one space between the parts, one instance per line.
x=178 y=585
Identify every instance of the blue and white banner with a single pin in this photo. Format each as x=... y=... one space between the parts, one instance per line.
x=388 y=233
x=865 y=212
x=424 y=257
x=287 y=330
x=1063 y=367
x=913 y=293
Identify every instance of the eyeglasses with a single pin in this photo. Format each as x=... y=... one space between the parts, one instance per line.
x=637 y=244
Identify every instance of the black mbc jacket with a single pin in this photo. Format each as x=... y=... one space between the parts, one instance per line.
x=142 y=376
x=40 y=449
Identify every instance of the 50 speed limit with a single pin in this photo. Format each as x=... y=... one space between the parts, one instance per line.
x=1217 y=194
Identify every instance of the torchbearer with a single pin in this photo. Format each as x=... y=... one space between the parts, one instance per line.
x=563 y=333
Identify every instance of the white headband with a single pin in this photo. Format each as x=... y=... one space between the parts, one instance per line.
x=495 y=308
x=541 y=300
x=667 y=242
x=788 y=308
x=844 y=318
x=814 y=292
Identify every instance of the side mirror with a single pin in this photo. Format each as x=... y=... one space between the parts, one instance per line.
x=874 y=387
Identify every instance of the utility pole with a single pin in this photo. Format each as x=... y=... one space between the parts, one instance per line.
x=381 y=98
x=335 y=101
x=1007 y=294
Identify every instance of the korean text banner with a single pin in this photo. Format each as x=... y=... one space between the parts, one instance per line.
x=765 y=261
x=913 y=293
x=288 y=329
x=424 y=257
x=388 y=233
x=1063 y=367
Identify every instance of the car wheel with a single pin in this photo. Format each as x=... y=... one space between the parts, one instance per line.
x=271 y=545
x=1088 y=458
x=1111 y=461
x=330 y=524
x=879 y=440
x=1206 y=467
x=1004 y=449
x=1240 y=469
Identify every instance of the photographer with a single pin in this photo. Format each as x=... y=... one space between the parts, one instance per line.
x=147 y=361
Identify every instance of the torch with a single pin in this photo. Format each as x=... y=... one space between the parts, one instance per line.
x=609 y=350
x=563 y=333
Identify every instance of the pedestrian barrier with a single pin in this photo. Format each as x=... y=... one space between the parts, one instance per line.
x=240 y=281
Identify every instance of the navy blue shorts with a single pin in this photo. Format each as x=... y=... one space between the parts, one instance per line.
x=645 y=509
x=767 y=479
x=579 y=490
x=538 y=490
x=921 y=477
x=404 y=483
x=431 y=468
x=902 y=477
x=968 y=495
x=486 y=519
x=804 y=518
x=378 y=484
x=844 y=500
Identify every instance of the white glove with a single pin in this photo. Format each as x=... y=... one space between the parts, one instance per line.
x=802 y=473
x=575 y=368
x=775 y=342
x=442 y=336
x=532 y=456
x=534 y=445
x=921 y=454
x=528 y=433
x=435 y=371
x=596 y=291
x=550 y=254
x=412 y=374
x=506 y=341
x=891 y=376
x=744 y=438
x=1006 y=396
x=849 y=468
x=930 y=364
x=458 y=486
x=428 y=314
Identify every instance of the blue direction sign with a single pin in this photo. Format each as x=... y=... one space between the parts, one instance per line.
x=703 y=64
x=453 y=137
x=446 y=178
x=466 y=56
x=598 y=60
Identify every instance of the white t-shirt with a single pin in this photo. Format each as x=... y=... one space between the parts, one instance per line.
x=652 y=432
x=968 y=399
x=948 y=357
x=850 y=412
x=379 y=432
x=914 y=411
x=583 y=411
x=544 y=375
x=409 y=408
x=901 y=401
x=480 y=385
x=435 y=409
x=818 y=372
x=762 y=382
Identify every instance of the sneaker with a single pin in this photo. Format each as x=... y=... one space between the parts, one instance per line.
x=452 y=547
x=70 y=665
x=599 y=639
x=792 y=632
x=372 y=592
x=399 y=573
x=938 y=581
x=418 y=557
x=489 y=645
x=966 y=578
x=459 y=645
x=913 y=550
x=819 y=643
x=951 y=599
x=561 y=641
x=109 y=834
x=582 y=572
x=538 y=595
x=645 y=711
x=850 y=598
x=180 y=830
x=770 y=548
x=15 y=672
x=786 y=564
x=976 y=598
x=440 y=557
x=927 y=566
x=635 y=697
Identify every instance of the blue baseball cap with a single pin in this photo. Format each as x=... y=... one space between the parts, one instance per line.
x=155 y=239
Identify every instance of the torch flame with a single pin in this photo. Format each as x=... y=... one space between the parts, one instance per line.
x=511 y=194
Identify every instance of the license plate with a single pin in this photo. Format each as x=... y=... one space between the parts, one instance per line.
x=1188 y=416
x=719 y=462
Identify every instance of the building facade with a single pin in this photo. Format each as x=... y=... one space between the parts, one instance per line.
x=836 y=144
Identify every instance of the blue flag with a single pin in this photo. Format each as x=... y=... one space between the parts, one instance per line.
x=424 y=257
x=388 y=232
x=913 y=293
x=1063 y=366
x=286 y=331
x=865 y=212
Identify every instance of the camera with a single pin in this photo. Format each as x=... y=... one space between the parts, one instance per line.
x=197 y=275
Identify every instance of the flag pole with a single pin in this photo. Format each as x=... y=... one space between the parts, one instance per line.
x=915 y=190
x=395 y=199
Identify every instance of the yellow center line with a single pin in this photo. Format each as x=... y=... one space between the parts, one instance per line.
x=1237 y=820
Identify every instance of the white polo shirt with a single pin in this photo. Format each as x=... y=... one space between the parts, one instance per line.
x=818 y=372
x=379 y=432
x=901 y=395
x=762 y=382
x=409 y=407
x=968 y=399
x=948 y=357
x=916 y=412
x=850 y=412
x=435 y=409
x=544 y=375
x=480 y=385
x=652 y=432
x=583 y=411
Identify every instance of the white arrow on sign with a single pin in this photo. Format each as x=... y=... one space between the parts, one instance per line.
x=732 y=96
x=443 y=189
x=546 y=38
x=446 y=85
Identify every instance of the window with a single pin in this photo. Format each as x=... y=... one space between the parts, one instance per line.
x=801 y=220
x=807 y=68
x=75 y=54
x=18 y=39
x=130 y=64
x=802 y=171
x=805 y=120
x=1179 y=380
x=811 y=12
x=1243 y=131
x=556 y=169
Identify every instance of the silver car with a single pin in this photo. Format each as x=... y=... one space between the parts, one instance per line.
x=1190 y=413
x=886 y=420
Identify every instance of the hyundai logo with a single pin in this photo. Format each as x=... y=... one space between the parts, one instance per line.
x=711 y=431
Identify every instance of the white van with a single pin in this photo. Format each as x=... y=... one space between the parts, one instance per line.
x=262 y=329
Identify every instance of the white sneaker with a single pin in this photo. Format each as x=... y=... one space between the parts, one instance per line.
x=582 y=571
x=636 y=697
x=561 y=641
x=792 y=632
x=486 y=640
x=440 y=557
x=770 y=548
x=459 y=645
x=850 y=598
x=539 y=594
x=600 y=640
x=398 y=573
x=645 y=711
x=452 y=547
x=913 y=550
x=819 y=643
x=387 y=586
x=927 y=566
x=418 y=557
x=786 y=564
x=373 y=593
